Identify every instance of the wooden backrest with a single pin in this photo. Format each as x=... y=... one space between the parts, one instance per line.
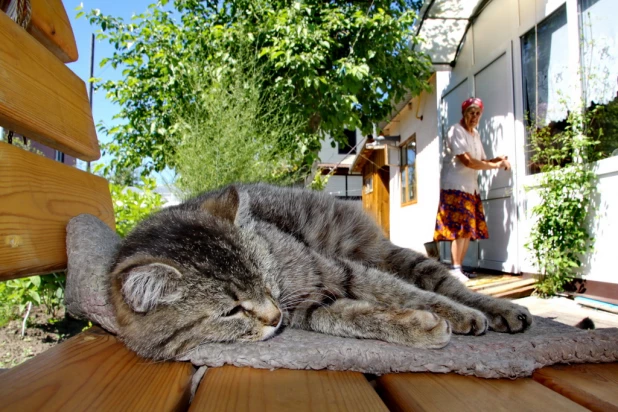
x=42 y=99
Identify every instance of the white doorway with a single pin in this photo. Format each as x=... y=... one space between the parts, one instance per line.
x=451 y=114
x=494 y=85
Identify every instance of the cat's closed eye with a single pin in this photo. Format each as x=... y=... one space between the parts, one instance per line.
x=235 y=310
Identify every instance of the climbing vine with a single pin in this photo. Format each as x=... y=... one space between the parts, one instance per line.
x=560 y=238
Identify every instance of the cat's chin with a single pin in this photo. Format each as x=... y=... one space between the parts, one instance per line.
x=270 y=331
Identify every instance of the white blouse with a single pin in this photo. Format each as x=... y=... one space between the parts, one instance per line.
x=454 y=174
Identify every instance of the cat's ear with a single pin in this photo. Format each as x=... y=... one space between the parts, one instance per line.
x=146 y=286
x=224 y=205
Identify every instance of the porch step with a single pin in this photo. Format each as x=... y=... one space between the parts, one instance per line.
x=518 y=293
x=512 y=289
x=482 y=283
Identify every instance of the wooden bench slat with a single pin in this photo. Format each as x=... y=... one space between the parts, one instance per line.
x=41 y=98
x=50 y=25
x=594 y=386
x=246 y=389
x=451 y=392
x=94 y=371
x=38 y=197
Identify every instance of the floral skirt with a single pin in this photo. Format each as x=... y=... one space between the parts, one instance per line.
x=460 y=215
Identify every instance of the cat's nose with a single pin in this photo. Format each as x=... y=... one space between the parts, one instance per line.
x=274 y=318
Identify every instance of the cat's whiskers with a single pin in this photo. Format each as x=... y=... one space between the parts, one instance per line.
x=300 y=290
x=311 y=289
x=301 y=299
x=297 y=294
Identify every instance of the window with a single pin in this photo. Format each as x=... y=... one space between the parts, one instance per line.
x=408 y=171
x=546 y=76
x=599 y=61
x=350 y=146
x=59 y=156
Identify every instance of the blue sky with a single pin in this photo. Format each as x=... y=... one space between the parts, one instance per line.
x=102 y=110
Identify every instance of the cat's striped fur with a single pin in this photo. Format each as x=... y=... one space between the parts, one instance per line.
x=239 y=263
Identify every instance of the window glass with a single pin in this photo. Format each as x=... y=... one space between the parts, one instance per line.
x=408 y=171
x=599 y=60
x=545 y=78
x=349 y=147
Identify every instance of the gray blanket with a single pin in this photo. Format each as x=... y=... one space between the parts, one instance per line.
x=91 y=245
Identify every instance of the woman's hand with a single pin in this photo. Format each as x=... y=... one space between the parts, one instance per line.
x=495 y=163
x=501 y=162
x=505 y=163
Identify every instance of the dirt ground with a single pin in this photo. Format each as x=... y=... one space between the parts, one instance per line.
x=39 y=336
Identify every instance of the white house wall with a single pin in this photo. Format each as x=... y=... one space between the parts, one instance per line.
x=413 y=225
x=337 y=185
x=497 y=33
x=603 y=224
x=330 y=155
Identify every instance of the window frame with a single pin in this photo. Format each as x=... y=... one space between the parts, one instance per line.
x=403 y=169
x=348 y=149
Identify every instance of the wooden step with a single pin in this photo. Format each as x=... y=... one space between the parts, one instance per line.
x=518 y=293
x=493 y=283
x=594 y=386
x=501 y=289
x=94 y=371
x=451 y=392
x=246 y=389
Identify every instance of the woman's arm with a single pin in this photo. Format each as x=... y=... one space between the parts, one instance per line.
x=475 y=164
x=497 y=159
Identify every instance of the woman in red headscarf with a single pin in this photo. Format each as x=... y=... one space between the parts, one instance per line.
x=460 y=213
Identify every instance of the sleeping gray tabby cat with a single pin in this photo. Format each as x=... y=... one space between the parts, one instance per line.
x=240 y=263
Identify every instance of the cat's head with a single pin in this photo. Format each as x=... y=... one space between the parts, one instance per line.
x=188 y=275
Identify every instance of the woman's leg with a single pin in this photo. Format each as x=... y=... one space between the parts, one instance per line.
x=459 y=248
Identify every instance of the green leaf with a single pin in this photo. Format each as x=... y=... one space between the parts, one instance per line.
x=36 y=281
x=35 y=296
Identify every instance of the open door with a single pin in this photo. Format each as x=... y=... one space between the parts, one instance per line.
x=494 y=85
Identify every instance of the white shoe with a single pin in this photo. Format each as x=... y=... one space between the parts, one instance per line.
x=459 y=275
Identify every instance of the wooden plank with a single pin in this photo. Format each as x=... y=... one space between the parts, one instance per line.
x=38 y=197
x=492 y=291
x=245 y=389
x=492 y=283
x=451 y=392
x=594 y=386
x=41 y=98
x=515 y=293
x=94 y=371
x=50 y=25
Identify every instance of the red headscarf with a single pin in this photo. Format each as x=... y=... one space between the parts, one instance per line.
x=471 y=101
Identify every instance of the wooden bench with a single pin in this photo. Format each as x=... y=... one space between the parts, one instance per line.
x=43 y=100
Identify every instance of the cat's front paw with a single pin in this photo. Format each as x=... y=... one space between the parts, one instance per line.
x=508 y=317
x=468 y=321
x=428 y=330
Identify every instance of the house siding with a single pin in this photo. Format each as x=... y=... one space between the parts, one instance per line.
x=495 y=35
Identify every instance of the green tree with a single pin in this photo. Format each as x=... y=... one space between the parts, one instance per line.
x=235 y=132
x=337 y=64
x=132 y=204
